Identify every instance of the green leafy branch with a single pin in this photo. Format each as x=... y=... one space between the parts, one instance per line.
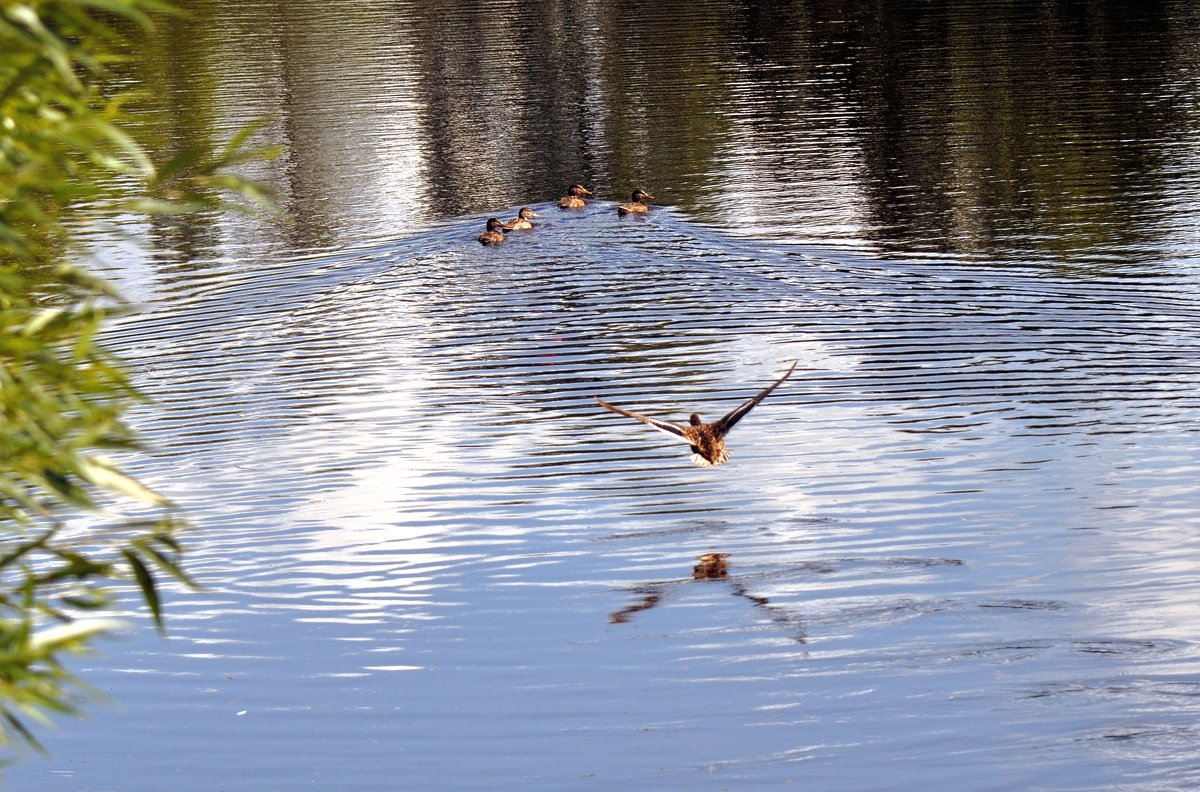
x=65 y=155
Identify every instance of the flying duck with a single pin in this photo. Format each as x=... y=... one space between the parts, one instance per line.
x=706 y=439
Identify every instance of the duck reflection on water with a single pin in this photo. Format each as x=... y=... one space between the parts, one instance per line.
x=711 y=566
x=708 y=567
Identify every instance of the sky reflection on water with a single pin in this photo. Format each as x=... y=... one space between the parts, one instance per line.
x=961 y=539
x=975 y=546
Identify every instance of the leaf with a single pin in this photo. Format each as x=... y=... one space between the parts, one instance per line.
x=119 y=8
x=181 y=162
x=138 y=155
x=21 y=550
x=69 y=157
x=162 y=208
x=41 y=320
x=147 y=584
x=21 y=729
x=52 y=47
x=74 y=276
x=166 y=563
x=235 y=144
x=133 y=11
x=100 y=472
x=88 y=600
x=72 y=636
x=76 y=565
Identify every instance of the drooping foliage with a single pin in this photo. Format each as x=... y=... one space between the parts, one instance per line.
x=73 y=527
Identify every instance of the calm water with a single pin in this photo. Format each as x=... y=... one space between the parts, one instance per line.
x=963 y=540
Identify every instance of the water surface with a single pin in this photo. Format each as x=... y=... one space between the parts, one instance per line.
x=962 y=539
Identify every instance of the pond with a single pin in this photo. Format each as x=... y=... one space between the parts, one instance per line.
x=961 y=544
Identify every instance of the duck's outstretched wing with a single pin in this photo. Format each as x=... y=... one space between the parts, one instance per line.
x=666 y=427
x=736 y=414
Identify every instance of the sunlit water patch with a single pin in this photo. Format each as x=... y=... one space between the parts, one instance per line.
x=965 y=528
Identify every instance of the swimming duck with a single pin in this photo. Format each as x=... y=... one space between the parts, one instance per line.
x=706 y=439
x=637 y=205
x=521 y=221
x=494 y=235
x=573 y=199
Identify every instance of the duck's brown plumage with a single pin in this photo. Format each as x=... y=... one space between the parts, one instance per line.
x=706 y=439
x=711 y=566
x=637 y=204
x=493 y=235
x=521 y=221
x=574 y=197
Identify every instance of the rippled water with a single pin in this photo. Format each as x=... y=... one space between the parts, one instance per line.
x=962 y=539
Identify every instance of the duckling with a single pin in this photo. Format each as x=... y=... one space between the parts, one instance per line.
x=573 y=199
x=637 y=205
x=706 y=439
x=494 y=234
x=521 y=221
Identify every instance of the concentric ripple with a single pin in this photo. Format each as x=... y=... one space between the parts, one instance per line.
x=971 y=512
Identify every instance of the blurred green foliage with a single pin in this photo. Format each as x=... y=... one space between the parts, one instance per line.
x=73 y=526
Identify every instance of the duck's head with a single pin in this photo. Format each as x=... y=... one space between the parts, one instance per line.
x=527 y=213
x=494 y=224
x=695 y=420
x=578 y=189
x=642 y=195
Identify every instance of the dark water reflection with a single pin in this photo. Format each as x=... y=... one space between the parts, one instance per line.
x=1053 y=131
x=961 y=543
